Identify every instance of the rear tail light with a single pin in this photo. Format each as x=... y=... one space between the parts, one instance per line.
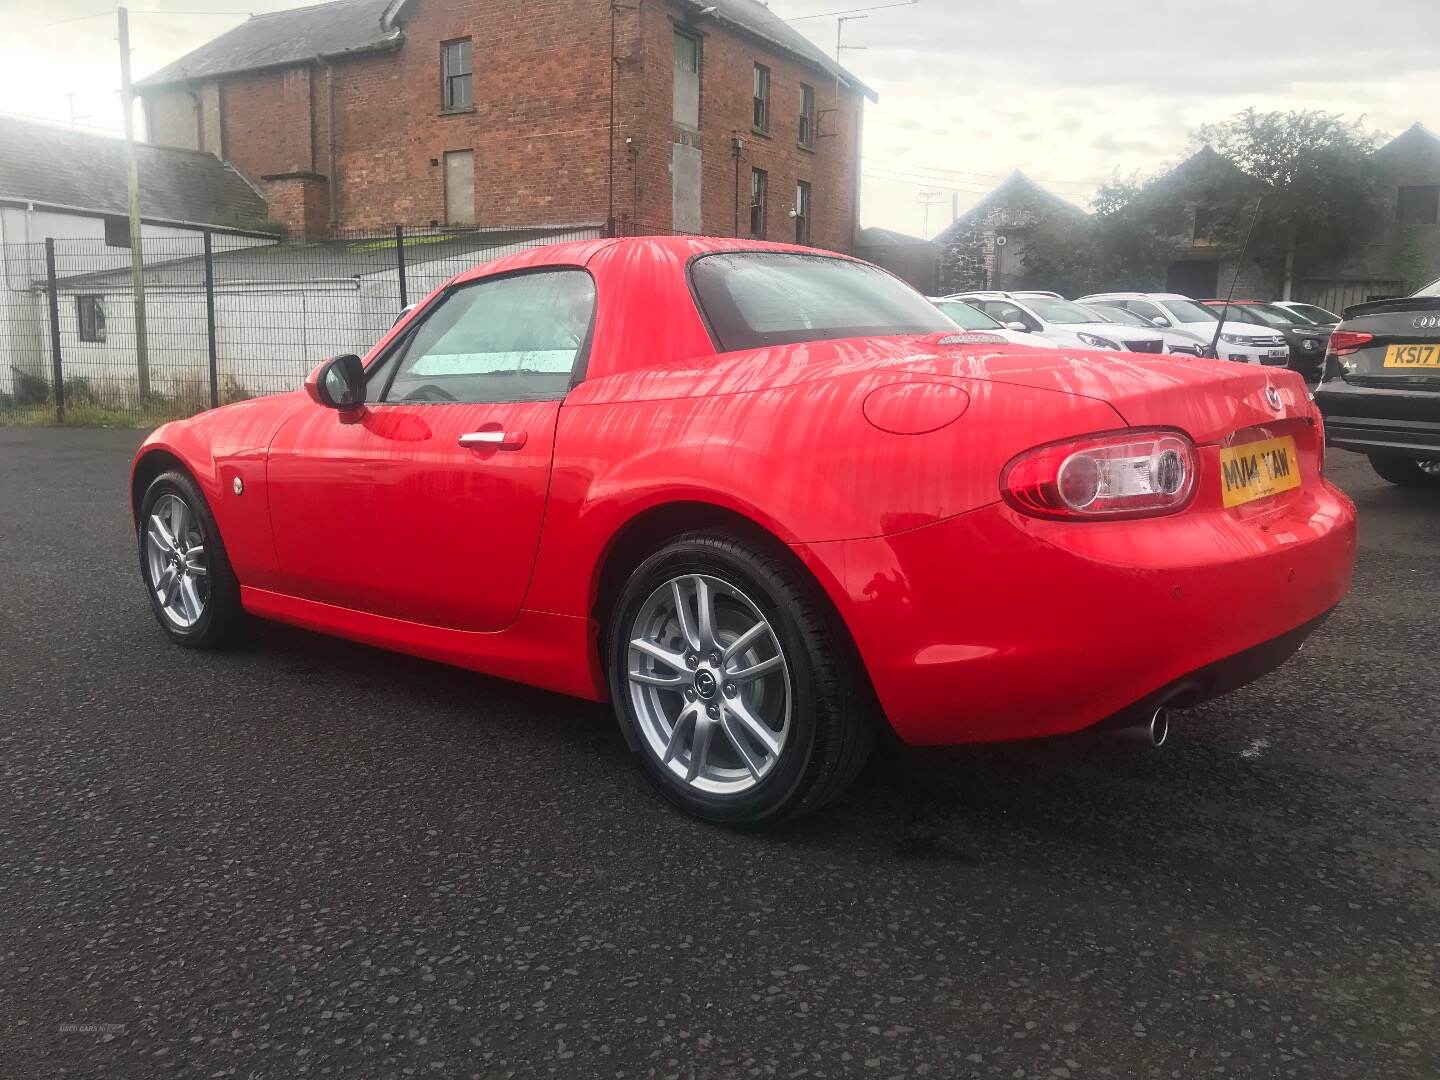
x=1343 y=342
x=1120 y=474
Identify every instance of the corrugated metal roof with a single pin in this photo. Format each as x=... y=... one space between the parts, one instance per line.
x=285 y=37
x=58 y=166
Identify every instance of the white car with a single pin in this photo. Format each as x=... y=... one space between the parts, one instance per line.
x=1243 y=342
x=974 y=321
x=1046 y=316
x=1177 y=342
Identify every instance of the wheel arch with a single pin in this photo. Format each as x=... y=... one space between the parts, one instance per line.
x=650 y=529
x=151 y=463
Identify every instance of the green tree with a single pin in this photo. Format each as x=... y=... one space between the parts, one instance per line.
x=1111 y=250
x=1322 y=190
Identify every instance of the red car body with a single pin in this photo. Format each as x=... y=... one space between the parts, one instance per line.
x=877 y=461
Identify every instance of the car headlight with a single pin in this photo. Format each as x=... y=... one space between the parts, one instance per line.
x=1098 y=342
x=1235 y=339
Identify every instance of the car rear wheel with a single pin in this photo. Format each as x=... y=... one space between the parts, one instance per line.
x=1406 y=472
x=192 y=590
x=733 y=684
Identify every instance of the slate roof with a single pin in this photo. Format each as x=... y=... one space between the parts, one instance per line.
x=1017 y=191
x=755 y=17
x=60 y=166
x=876 y=237
x=286 y=37
x=358 y=26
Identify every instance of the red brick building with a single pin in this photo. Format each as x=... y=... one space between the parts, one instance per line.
x=650 y=115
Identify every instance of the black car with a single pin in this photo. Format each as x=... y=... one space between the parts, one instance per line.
x=1306 y=340
x=1380 y=394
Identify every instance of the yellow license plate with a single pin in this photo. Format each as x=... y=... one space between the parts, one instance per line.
x=1412 y=356
x=1254 y=470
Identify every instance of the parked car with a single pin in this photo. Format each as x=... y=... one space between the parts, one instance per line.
x=1380 y=394
x=1060 y=321
x=620 y=469
x=980 y=326
x=1239 y=341
x=1311 y=313
x=1305 y=340
x=1179 y=342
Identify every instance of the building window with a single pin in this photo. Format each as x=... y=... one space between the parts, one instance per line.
x=90 y=314
x=762 y=99
x=456 y=75
x=686 y=104
x=460 y=187
x=1419 y=205
x=807 y=116
x=759 y=191
x=802 y=213
x=1207 y=220
x=117 y=232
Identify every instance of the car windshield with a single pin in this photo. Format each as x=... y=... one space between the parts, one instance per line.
x=1189 y=311
x=1278 y=317
x=753 y=299
x=1059 y=311
x=1241 y=313
x=967 y=317
x=1118 y=315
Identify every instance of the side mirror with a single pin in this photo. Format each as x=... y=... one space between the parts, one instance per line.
x=1160 y=320
x=403 y=312
x=338 y=383
x=1017 y=325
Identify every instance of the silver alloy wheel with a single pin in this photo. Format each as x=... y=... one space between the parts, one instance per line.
x=709 y=684
x=1429 y=468
x=179 y=572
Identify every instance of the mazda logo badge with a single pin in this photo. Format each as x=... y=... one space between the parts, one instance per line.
x=1272 y=397
x=1426 y=322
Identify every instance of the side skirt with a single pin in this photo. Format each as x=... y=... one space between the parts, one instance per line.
x=553 y=652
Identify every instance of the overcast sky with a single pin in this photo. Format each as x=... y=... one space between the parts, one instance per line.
x=1068 y=91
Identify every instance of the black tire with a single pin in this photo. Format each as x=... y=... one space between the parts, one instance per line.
x=221 y=616
x=1404 y=471
x=832 y=720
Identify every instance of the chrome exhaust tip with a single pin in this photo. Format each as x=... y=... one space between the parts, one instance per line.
x=1154 y=732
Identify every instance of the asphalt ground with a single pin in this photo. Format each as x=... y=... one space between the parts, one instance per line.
x=310 y=858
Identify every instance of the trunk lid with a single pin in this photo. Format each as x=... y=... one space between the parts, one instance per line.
x=1208 y=399
x=1404 y=352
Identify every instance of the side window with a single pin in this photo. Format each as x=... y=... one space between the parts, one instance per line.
x=1145 y=310
x=1004 y=312
x=514 y=338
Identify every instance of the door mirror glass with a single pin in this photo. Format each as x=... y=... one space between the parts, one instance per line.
x=338 y=383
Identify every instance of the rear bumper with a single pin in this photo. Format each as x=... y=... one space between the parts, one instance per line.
x=1376 y=420
x=996 y=626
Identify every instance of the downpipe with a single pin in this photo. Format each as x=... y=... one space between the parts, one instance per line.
x=1154 y=731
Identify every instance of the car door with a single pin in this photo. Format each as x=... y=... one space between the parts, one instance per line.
x=426 y=504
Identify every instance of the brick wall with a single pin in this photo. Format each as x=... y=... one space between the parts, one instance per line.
x=726 y=111
x=540 y=124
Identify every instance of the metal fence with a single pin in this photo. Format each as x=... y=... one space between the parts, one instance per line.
x=224 y=317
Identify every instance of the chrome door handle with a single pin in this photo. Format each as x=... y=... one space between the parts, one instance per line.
x=493 y=440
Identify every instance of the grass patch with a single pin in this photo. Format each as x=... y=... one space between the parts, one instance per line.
x=87 y=414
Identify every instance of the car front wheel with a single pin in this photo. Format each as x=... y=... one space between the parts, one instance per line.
x=187 y=575
x=732 y=681
x=1406 y=472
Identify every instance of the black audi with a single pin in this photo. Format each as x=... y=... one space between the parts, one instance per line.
x=1380 y=392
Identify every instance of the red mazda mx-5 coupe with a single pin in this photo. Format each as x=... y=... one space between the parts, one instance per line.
x=763 y=499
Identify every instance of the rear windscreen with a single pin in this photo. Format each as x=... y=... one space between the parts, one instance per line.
x=756 y=299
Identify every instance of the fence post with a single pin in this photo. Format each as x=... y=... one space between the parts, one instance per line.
x=57 y=374
x=210 y=320
x=400 y=264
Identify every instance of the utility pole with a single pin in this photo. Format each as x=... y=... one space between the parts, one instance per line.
x=132 y=171
x=929 y=199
